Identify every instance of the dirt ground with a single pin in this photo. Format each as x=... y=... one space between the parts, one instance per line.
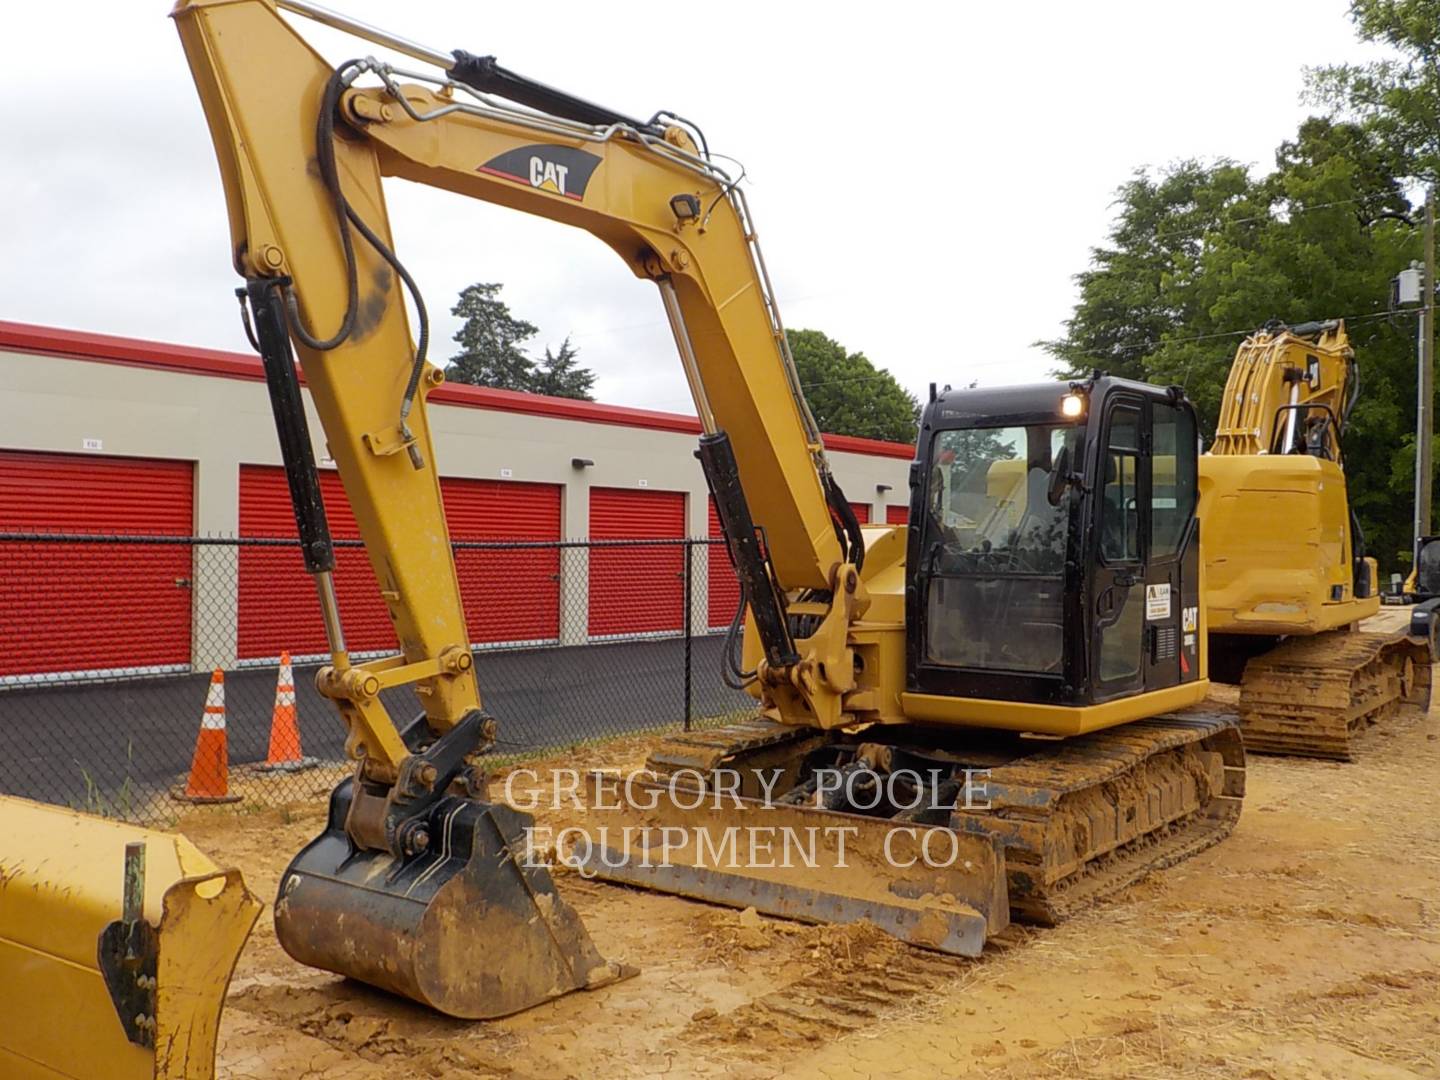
x=1306 y=945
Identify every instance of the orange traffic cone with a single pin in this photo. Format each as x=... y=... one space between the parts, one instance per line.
x=209 y=780
x=284 y=754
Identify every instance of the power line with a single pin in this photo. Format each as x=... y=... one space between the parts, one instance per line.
x=1303 y=209
x=1215 y=336
x=1362 y=317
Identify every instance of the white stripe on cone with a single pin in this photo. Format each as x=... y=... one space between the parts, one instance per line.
x=214 y=716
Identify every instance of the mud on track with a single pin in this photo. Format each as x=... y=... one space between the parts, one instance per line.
x=1306 y=945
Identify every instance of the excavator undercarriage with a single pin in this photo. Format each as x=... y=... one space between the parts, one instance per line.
x=947 y=840
x=1313 y=696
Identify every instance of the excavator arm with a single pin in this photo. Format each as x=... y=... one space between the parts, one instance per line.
x=303 y=146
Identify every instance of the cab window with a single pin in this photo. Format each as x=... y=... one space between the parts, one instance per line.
x=1172 y=481
x=1119 y=503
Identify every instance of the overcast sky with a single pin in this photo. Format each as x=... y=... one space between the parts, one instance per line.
x=926 y=178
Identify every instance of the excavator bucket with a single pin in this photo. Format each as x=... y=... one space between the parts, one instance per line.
x=469 y=926
x=116 y=947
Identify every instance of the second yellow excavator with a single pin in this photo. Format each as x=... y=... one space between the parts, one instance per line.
x=1287 y=578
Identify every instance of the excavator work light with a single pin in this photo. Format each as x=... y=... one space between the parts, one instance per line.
x=685 y=206
x=1072 y=405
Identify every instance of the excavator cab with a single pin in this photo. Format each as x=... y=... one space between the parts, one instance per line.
x=1054 y=554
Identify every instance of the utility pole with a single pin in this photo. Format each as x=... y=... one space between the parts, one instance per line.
x=1425 y=426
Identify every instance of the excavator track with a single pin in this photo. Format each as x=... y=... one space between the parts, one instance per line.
x=704 y=751
x=1085 y=818
x=1313 y=696
x=1077 y=820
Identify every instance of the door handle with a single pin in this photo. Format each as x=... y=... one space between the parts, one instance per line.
x=1126 y=580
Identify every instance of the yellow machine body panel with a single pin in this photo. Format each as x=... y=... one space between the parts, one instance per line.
x=1275 y=534
x=1057 y=720
x=1274 y=510
x=61 y=883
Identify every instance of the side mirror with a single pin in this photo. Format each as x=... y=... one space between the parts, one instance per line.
x=1059 y=477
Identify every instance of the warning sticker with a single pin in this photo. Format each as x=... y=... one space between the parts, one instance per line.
x=1157 y=601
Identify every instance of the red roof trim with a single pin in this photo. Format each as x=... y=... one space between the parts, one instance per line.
x=133 y=352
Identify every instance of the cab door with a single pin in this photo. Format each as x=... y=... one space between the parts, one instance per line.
x=1172 y=549
x=1122 y=525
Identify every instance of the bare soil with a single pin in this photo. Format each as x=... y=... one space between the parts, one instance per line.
x=1306 y=945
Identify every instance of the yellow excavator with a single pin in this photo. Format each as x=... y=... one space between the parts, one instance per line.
x=1044 y=623
x=1287 y=578
x=1039 y=625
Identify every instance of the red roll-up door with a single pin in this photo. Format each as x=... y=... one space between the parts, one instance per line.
x=897 y=515
x=278 y=609
x=83 y=607
x=636 y=589
x=724 y=586
x=511 y=594
x=862 y=512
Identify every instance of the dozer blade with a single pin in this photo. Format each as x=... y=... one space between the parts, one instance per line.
x=467 y=927
x=1049 y=828
x=116 y=947
x=796 y=862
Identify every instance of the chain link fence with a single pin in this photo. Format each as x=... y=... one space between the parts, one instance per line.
x=108 y=645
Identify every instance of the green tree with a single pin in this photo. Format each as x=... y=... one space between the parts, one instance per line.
x=1142 y=286
x=1202 y=254
x=1396 y=99
x=848 y=394
x=492 y=350
x=561 y=376
x=490 y=341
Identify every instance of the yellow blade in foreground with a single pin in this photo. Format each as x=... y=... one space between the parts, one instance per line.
x=151 y=1008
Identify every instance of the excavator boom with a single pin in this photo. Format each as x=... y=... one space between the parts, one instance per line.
x=425 y=868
